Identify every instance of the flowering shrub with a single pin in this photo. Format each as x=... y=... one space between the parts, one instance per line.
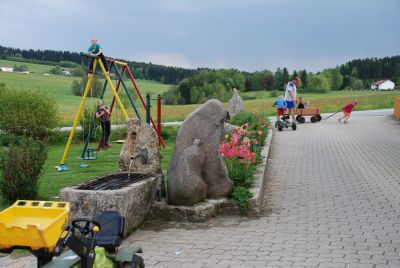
x=241 y=151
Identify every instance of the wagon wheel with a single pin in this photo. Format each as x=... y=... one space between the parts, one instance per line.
x=137 y=262
x=319 y=117
x=313 y=119
x=301 y=120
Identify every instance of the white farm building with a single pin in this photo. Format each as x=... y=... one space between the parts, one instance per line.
x=7 y=69
x=383 y=85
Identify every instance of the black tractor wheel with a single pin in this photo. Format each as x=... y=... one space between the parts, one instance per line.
x=319 y=117
x=313 y=119
x=280 y=127
x=137 y=262
x=301 y=120
x=294 y=126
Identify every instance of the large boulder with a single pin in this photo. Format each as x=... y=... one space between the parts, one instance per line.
x=235 y=103
x=200 y=135
x=140 y=152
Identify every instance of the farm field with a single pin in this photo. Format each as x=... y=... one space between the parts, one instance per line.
x=32 y=67
x=329 y=102
x=59 y=88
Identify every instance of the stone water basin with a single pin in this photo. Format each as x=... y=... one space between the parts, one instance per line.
x=132 y=194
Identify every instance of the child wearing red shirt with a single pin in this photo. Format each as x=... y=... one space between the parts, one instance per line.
x=347 y=109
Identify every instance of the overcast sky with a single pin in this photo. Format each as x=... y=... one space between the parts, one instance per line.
x=247 y=35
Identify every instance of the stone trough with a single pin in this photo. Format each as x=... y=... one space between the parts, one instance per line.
x=132 y=194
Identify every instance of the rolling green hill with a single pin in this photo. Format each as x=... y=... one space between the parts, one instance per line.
x=58 y=87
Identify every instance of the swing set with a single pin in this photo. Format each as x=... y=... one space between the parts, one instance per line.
x=91 y=153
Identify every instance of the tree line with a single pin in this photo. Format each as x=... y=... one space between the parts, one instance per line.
x=199 y=85
x=141 y=70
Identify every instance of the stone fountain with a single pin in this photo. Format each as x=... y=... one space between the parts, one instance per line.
x=132 y=190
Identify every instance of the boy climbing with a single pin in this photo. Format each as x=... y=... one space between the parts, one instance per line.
x=95 y=49
x=347 y=109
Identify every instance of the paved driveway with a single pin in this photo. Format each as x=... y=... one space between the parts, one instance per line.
x=332 y=200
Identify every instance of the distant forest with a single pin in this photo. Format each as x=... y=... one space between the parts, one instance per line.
x=141 y=70
x=198 y=85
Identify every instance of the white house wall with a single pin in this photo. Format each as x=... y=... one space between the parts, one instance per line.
x=387 y=85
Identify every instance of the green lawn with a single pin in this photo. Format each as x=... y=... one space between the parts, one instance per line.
x=328 y=102
x=52 y=181
x=58 y=87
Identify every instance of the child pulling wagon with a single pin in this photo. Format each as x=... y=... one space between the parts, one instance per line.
x=347 y=109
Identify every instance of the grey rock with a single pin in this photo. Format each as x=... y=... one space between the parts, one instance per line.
x=205 y=124
x=141 y=152
x=189 y=185
x=235 y=103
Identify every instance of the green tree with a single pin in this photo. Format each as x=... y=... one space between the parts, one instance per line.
x=56 y=70
x=303 y=78
x=285 y=76
x=357 y=84
x=76 y=88
x=337 y=79
x=318 y=83
x=278 y=79
x=295 y=74
x=26 y=112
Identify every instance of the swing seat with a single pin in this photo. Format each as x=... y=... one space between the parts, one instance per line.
x=91 y=154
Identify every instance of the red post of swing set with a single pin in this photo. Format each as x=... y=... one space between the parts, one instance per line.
x=144 y=105
x=159 y=118
x=113 y=102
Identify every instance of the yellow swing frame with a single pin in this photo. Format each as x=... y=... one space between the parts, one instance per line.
x=97 y=60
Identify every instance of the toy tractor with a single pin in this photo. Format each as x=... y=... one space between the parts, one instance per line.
x=284 y=123
x=41 y=227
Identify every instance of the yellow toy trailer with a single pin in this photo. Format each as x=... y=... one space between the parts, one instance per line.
x=41 y=227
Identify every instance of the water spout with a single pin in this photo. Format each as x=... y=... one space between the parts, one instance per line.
x=129 y=170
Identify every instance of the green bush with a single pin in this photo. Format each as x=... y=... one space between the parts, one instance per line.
x=26 y=112
x=274 y=93
x=169 y=132
x=60 y=137
x=85 y=122
x=245 y=97
x=77 y=88
x=7 y=139
x=118 y=133
x=21 y=164
x=242 y=175
x=242 y=196
x=242 y=118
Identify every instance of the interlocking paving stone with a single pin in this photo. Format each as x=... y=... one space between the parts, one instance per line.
x=332 y=199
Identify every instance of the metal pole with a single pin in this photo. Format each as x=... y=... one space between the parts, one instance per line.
x=159 y=118
x=81 y=105
x=141 y=98
x=128 y=94
x=113 y=101
x=148 y=108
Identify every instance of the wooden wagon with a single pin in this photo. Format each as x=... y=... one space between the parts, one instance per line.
x=314 y=112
